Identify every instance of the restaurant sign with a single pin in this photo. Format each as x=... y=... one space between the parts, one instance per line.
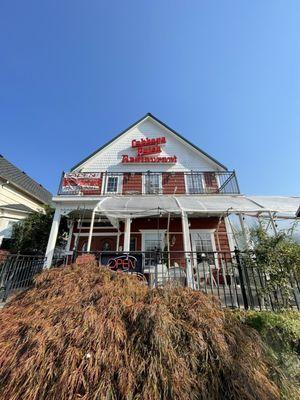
x=147 y=151
x=86 y=182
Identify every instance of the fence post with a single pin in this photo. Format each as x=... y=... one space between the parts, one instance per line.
x=241 y=276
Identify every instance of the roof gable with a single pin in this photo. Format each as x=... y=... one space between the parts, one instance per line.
x=142 y=127
x=20 y=179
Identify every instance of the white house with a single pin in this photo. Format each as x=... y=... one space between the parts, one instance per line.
x=19 y=196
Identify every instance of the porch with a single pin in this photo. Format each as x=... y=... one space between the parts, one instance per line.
x=171 y=223
x=170 y=240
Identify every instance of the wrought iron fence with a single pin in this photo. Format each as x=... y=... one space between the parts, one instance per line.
x=17 y=272
x=137 y=183
x=235 y=278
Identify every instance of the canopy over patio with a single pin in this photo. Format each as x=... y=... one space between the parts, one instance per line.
x=123 y=206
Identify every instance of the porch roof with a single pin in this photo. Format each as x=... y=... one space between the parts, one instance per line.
x=122 y=206
x=139 y=206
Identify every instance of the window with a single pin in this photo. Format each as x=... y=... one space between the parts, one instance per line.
x=112 y=184
x=7 y=232
x=152 y=243
x=132 y=244
x=194 y=183
x=152 y=183
x=203 y=242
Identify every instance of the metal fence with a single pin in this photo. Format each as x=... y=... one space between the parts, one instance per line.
x=235 y=278
x=17 y=272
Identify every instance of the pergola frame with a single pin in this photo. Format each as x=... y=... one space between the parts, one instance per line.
x=94 y=206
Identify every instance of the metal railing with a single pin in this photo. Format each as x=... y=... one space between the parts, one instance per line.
x=17 y=272
x=234 y=278
x=137 y=183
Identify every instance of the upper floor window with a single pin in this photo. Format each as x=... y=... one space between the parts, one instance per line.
x=112 y=184
x=153 y=183
x=194 y=183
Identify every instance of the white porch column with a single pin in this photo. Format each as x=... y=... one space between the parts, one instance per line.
x=118 y=238
x=52 y=238
x=91 y=231
x=187 y=248
x=127 y=234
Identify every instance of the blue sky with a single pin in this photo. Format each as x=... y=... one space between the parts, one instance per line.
x=225 y=74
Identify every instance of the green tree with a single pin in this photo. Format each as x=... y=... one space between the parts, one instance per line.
x=277 y=257
x=30 y=236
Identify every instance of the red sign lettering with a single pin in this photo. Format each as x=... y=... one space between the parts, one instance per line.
x=148 y=142
x=145 y=148
x=140 y=160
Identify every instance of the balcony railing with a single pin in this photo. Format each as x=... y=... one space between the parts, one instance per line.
x=145 y=183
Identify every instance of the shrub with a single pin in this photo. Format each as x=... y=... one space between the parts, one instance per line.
x=280 y=332
x=30 y=235
x=277 y=259
x=95 y=334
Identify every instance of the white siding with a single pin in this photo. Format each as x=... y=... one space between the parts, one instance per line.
x=109 y=159
x=11 y=195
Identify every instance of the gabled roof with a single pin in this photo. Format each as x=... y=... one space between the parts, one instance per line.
x=161 y=123
x=17 y=207
x=20 y=179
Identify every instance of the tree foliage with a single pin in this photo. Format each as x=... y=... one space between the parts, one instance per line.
x=280 y=332
x=277 y=257
x=30 y=236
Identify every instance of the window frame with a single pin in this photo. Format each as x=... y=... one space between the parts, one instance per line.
x=153 y=231
x=213 y=243
x=186 y=179
x=212 y=236
x=160 y=188
x=119 y=184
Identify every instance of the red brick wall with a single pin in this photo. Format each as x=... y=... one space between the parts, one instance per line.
x=173 y=183
x=211 y=183
x=97 y=242
x=132 y=183
x=221 y=238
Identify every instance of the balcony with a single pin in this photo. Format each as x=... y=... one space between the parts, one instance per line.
x=148 y=183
